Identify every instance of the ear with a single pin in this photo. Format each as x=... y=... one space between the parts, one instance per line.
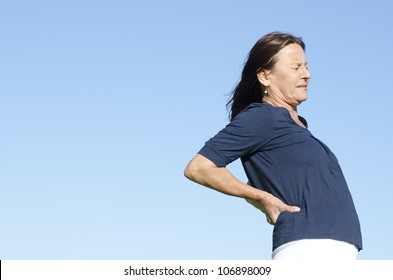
x=263 y=78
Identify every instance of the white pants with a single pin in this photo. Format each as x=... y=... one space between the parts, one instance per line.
x=316 y=249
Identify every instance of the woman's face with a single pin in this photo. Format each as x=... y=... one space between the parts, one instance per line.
x=290 y=76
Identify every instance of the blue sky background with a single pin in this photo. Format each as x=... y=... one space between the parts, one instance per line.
x=103 y=103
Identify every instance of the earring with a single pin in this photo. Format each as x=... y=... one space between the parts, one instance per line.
x=266 y=90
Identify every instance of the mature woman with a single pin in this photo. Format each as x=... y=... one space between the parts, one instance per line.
x=294 y=178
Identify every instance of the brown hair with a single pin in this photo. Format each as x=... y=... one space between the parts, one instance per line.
x=260 y=57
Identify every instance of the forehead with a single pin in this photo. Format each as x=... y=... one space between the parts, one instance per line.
x=291 y=54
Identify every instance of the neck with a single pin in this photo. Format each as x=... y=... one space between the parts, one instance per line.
x=291 y=109
x=280 y=103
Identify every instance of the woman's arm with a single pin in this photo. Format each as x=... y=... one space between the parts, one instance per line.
x=203 y=171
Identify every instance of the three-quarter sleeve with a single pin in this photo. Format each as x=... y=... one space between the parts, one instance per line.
x=248 y=132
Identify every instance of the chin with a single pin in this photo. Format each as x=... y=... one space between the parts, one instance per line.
x=302 y=98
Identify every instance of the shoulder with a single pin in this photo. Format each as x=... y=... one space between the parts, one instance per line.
x=256 y=111
x=257 y=118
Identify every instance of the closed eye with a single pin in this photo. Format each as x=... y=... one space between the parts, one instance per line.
x=297 y=66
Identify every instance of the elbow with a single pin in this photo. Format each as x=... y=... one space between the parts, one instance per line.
x=195 y=169
x=189 y=171
x=199 y=169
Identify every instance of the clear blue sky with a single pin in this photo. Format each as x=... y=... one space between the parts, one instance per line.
x=103 y=103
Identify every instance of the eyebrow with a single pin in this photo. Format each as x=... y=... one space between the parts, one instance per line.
x=299 y=63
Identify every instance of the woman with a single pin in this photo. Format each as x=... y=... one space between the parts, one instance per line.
x=294 y=178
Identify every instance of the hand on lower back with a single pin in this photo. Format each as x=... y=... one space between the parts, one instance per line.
x=272 y=207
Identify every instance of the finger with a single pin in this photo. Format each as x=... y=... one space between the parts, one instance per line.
x=293 y=209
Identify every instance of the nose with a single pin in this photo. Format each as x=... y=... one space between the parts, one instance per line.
x=306 y=73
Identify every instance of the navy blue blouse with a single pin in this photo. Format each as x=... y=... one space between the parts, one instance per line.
x=286 y=160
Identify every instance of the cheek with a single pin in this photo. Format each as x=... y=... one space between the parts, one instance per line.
x=285 y=82
x=284 y=79
x=287 y=85
x=292 y=83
